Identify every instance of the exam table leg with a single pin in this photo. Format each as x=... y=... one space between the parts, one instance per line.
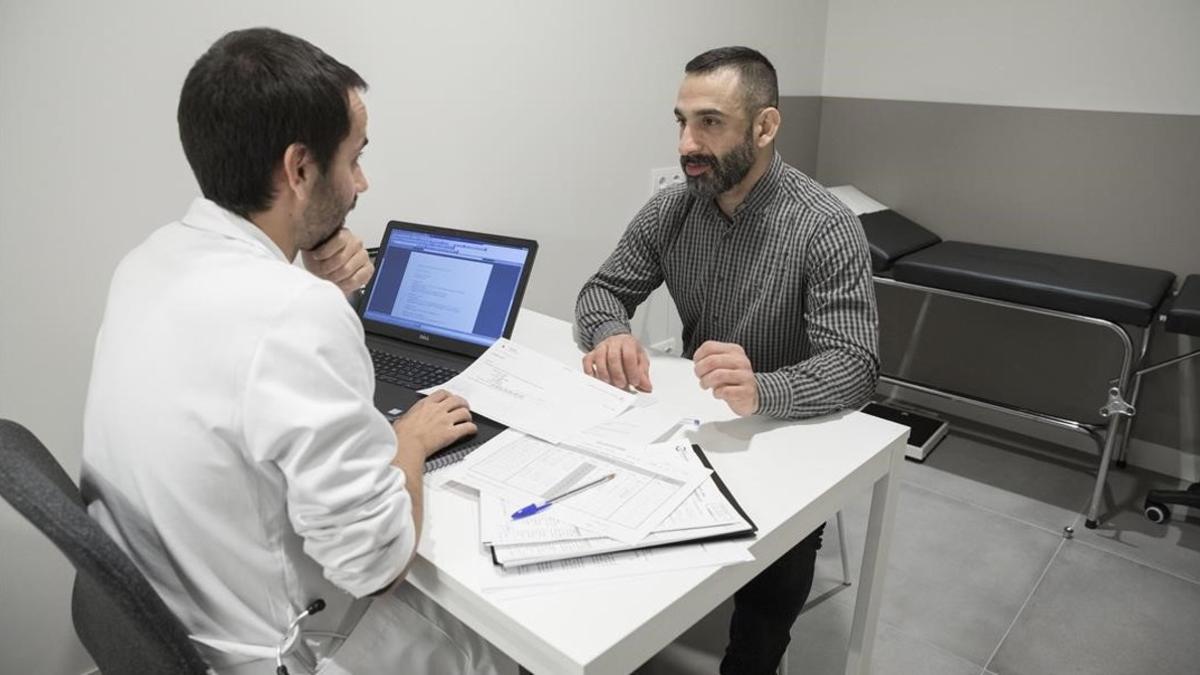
x=1110 y=442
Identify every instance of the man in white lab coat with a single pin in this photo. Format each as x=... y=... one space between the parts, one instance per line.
x=231 y=446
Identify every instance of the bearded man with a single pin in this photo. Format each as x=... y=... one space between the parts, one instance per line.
x=772 y=278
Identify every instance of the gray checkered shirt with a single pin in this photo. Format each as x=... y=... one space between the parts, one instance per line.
x=788 y=279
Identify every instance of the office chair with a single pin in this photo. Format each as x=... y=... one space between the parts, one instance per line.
x=1156 y=508
x=121 y=621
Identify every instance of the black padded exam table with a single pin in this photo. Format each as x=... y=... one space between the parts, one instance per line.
x=1112 y=296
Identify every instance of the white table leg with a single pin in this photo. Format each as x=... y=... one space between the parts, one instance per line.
x=874 y=566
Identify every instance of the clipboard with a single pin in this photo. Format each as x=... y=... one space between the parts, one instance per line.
x=742 y=533
x=716 y=479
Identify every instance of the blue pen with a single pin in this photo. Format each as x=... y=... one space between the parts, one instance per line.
x=534 y=508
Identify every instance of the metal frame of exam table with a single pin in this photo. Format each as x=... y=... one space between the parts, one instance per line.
x=1122 y=398
x=1154 y=509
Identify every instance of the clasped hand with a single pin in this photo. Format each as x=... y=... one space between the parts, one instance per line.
x=724 y=368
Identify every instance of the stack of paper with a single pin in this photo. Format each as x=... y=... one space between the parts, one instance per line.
x=551 y=577
x=627 y=508
x=706 y=513
x=567 y=430
x=663 y=494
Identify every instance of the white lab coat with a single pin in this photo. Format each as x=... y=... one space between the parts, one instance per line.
x=231 y=447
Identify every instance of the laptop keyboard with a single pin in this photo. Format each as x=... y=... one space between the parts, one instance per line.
x=407 y=372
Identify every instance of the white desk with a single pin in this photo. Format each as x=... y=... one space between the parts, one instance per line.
x=789 y=476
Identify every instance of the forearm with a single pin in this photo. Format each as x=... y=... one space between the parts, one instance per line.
x=414 y=482
x=842 y=331
x=599 y=314
x=414 y=472
x=830 y=381
x=413 y=466
x=624 y=281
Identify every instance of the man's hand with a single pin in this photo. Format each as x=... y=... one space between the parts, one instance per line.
x=724 y=368
x=620 y=361
x=431 y=424
x=343 y=260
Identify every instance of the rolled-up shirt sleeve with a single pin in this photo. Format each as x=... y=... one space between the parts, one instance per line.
x=308 y=410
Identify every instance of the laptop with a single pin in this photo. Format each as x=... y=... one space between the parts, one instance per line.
x=439 y=298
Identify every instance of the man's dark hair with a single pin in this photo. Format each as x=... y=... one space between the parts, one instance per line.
x=249 y=97
x=760 y=86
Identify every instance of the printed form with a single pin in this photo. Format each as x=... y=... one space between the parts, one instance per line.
x=705 y=513
x=627 y=508
x=535 y=394
x=632 y=431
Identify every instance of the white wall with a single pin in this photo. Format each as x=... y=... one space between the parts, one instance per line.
x=1115 y=55
x=539 y=118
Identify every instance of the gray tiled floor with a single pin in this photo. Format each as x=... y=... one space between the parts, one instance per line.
x=1098 y=613
x=827 y=630
x=980 y=579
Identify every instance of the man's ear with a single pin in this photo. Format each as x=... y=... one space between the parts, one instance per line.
x=299 y=170
x=766 y=126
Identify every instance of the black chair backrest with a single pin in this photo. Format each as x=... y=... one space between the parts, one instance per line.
x=121 y=621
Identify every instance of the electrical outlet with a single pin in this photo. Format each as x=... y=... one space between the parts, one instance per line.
x=665 y=177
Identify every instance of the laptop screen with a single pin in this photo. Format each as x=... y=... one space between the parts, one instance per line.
x=444 y=286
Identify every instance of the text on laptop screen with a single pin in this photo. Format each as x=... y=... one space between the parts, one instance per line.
x=449 y=286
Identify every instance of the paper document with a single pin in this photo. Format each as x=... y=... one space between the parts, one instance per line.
x=533 y=393
x=613 y=565
x=631 y=431
x=448 y=474
x=705 y=513
x=518 y=555
x=496 y=525
x=628 y=507
x=705 y=508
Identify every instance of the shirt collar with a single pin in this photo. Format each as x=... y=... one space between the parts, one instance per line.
x=764 y=191
x=206 y=215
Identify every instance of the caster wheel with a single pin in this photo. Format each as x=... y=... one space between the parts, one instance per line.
x=1157 y=513
x=1090 y=524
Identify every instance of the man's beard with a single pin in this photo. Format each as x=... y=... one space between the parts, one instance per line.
x=323 y=216
x=727 y=171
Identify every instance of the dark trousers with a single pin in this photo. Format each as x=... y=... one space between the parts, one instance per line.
x=765 y=609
